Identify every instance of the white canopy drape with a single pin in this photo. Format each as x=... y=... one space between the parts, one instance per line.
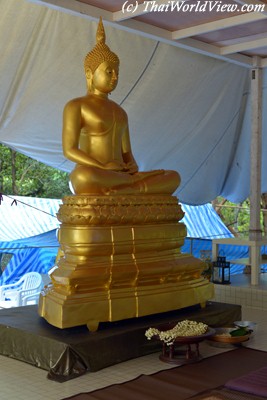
x=186 y=112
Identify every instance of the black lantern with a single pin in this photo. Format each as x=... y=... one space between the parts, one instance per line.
x=221 y=271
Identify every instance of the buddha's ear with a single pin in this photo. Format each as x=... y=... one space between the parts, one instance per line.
x=88 y=74
x=89 y=77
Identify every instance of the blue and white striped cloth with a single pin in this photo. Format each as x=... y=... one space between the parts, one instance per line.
x=203 y=222
x=28 y=233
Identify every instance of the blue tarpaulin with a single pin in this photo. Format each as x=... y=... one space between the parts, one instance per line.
x=36 y=253
x=203 y=222
x=29 y=233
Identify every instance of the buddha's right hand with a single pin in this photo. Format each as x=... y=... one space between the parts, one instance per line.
x=115 y=165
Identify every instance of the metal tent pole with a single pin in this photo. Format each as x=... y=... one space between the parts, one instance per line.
x=255 y=233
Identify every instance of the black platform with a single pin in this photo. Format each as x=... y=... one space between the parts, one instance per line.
x=71 y=352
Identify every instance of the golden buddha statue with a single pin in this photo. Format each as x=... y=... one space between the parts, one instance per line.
x=96 y=136
x=120 y=235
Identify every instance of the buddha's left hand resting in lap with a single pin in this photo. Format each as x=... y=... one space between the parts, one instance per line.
x=96 y=136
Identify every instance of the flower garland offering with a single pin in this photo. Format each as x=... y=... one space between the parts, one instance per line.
x=183 y=328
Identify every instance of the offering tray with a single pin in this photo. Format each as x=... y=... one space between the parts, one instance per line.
x=175 y=355
x=222 y=335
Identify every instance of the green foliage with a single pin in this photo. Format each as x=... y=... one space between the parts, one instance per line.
x=235 y=216
x=23 y=176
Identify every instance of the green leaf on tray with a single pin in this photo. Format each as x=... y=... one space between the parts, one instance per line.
x=240 y=332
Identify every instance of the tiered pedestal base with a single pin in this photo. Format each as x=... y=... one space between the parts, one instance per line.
x=121 y=259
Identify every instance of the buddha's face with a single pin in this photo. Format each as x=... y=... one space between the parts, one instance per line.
x=105 y=77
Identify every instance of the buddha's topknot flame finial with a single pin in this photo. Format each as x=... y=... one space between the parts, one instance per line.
x=100 y=33
x=101 y=52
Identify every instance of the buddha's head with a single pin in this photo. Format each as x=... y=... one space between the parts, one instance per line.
x=101 y=65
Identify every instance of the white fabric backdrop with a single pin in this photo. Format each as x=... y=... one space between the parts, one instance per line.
x=186 y=112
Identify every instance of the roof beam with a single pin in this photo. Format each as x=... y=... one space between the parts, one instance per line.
x=197 y=46
x=244 y=46
x=74 y=7
x=217 y=25
x=213 y=51
x=263 y=63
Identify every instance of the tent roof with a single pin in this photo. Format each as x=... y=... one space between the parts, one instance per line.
x=232 y=30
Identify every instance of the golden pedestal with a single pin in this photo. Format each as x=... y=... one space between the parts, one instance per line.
x=121 y=260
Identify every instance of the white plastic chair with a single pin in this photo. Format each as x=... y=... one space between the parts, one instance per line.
x=13 y=294
x=31 y=299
